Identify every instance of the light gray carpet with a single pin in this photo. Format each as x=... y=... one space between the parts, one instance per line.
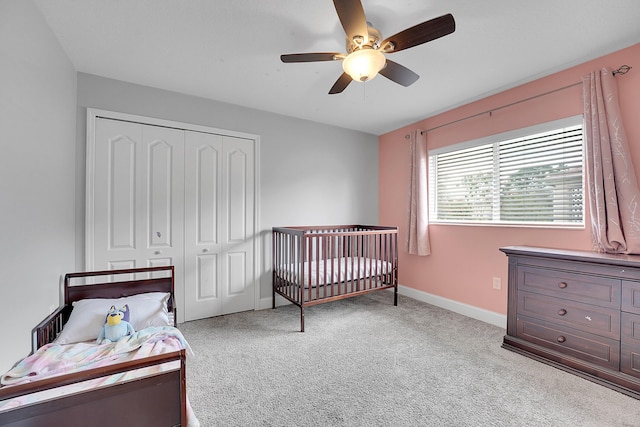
x=364 y=362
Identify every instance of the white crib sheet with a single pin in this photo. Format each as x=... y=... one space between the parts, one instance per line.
x=336 y=270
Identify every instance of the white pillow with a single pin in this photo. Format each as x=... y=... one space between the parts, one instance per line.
x=88 y=315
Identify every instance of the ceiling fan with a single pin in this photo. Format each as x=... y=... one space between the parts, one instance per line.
x=365 y=57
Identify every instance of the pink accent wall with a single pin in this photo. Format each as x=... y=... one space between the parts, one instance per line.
x=465 y=259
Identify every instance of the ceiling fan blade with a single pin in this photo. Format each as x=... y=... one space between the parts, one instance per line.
x=352 y=18
x=340 y=84
x=310 y=57
x=399 y=73
x=421 y=33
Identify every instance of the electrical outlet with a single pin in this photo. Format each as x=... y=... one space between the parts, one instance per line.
x=497 y=283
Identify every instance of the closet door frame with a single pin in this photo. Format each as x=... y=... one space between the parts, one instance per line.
x=93 y=114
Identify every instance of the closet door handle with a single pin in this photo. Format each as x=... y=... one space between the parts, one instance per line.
x=561 y=339
x=562 y=285
x=205 y=250
x=562 y=312
x=157 y=252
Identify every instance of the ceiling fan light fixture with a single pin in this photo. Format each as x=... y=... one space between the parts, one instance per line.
x=365 y=49
x=363 y=64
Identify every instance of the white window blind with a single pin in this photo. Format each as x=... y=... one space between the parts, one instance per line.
x=529 y=176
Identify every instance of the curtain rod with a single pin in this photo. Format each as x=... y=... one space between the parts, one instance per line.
x=623 y=69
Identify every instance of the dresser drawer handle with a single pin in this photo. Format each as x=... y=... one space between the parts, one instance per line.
x=562 y=285
x=561 y=339
x=562 y=312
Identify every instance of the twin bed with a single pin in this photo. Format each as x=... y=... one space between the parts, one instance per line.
x=139 y=380
x=315 y=265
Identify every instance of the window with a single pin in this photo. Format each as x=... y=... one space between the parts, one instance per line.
x=531 y=176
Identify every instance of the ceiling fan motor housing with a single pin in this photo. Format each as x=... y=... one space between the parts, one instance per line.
x=372 y=41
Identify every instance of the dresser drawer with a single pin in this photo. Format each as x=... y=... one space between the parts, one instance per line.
x=581 y=345
x=598 y=290
x=631 y=297
x=630 y=325
x=630 y=360
x=584 y=317
x=630 y=344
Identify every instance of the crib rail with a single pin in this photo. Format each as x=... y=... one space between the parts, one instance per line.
x=313 y=265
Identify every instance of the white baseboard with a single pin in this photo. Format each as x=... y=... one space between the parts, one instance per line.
x=481 y=314
x=264 y=303
x=493 y=318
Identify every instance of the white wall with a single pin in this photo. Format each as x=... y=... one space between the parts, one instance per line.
x=310 y=173
x=37 y=173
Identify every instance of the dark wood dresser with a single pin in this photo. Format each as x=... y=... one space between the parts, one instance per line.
x=578 y=311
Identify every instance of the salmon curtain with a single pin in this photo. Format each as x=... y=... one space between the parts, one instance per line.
x=613 y=190
x=418 y=239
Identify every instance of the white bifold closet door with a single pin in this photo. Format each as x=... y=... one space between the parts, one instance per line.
x=218 y=224
x=163 y=196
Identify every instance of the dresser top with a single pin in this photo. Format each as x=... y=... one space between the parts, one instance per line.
x=574 y=255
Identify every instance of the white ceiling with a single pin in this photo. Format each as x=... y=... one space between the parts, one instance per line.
x=229 y=50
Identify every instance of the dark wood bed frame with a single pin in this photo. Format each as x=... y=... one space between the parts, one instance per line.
x=154 y=400
x=296 y=248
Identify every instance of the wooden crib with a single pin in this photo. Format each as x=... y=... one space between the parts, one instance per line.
x=314 y=265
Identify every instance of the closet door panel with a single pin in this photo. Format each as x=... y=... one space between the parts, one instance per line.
x=238 y=196
x=207 y=271
x=161 y=230
x=206 y=201
x=121 y=199
x=160 y=194
x=236 y=278
x=162 y=184
x=203 y=160
x=121 y=265
x=116 y=172
x=237 y=192
x=161 y=262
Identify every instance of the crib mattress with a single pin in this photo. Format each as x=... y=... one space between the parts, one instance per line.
x=335 y=270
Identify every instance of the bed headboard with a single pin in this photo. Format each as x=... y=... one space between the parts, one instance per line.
x=119 y=283
x=104 y=284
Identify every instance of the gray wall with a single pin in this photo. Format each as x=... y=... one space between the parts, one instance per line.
x=37 y=173
x=310 y=173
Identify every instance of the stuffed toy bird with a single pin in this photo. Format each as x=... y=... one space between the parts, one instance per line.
x=116 y=325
